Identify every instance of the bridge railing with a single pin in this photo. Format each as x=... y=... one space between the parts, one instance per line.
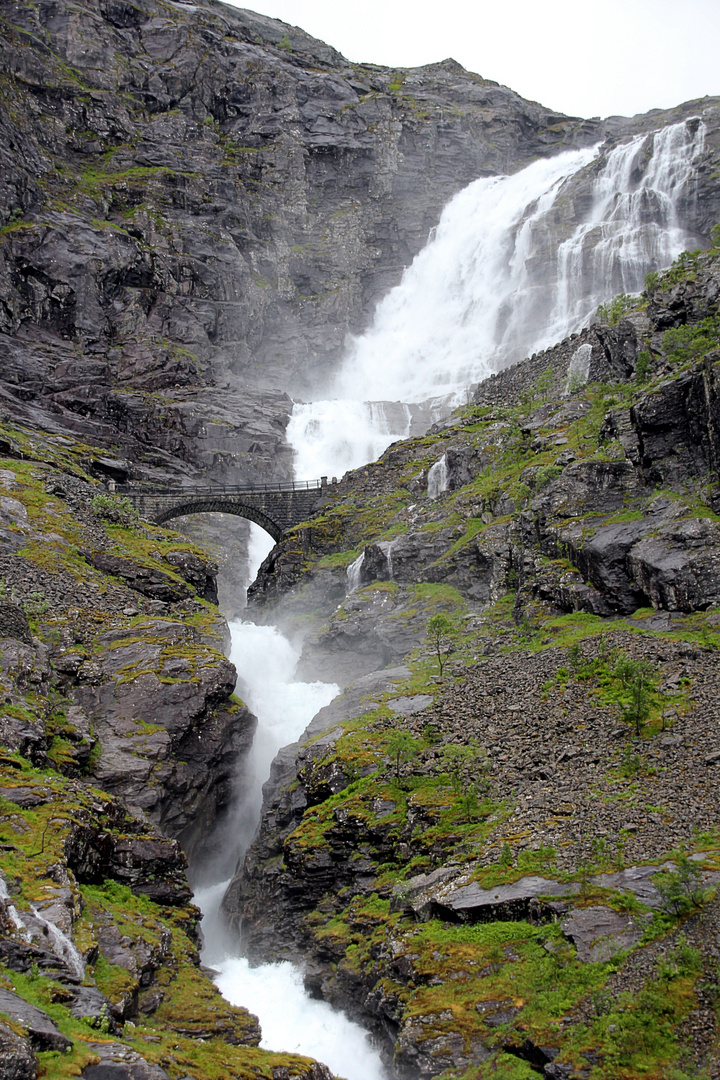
x=211 y=488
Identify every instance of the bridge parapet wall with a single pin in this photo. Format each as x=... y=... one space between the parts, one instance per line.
x=275 y=511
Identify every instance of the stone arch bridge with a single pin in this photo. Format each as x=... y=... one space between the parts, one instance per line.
x=274 y=507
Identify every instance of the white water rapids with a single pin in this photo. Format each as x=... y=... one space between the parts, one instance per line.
x=490 y=287
x=289 y=1018
x=493 y=285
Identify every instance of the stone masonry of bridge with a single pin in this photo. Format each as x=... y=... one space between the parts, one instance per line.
x=275 y=509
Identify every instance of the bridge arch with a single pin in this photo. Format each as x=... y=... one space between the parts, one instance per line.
x=222 y=506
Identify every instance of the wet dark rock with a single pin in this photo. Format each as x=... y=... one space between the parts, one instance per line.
x=599 y=932
x=157 y=699
x=25 y=736
x=25 y=796
x=17 y=1060
x=22 y=956
x=315 y=1071
x=418 y=893
x=419 y=1051
x=537 y=1056
x=524 y=899
x=119 y=1062
x=90 y=1005
x=620 y=344
x=149 y=865
x=561 y=1071
x=692 y=298
x=496 y=1013
x=146 y=580
x=42 y=1032
x=201 y=575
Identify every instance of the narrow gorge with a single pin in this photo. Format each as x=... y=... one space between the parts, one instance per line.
x=440 y=797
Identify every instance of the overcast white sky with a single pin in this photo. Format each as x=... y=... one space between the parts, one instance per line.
x=581 y=58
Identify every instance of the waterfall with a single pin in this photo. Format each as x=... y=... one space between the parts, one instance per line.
x=633 y=225
x=12 y=910
x=493 y=284
x=266 y=662
x=331 y=437
x=37 y=927
x=65 y=949
x=437 y=480
x=578 y=368
x=354 y=571
x=478 y=297
x=290 y=1020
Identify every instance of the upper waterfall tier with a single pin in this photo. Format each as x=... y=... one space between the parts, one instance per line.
x=516 y=263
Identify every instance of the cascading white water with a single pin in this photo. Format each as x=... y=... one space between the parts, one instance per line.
x=633 y=225
x=11 y=909
x=289 y=1018
x=437 y=480
x=60 y=943
x=36 y=927
x=330 y=437
x=492 y=286
x=302 y=1024
x=266 y=661
x=578 y=368
x=354 y=571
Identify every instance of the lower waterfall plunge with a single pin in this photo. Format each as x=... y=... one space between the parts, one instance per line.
x=289 y=1018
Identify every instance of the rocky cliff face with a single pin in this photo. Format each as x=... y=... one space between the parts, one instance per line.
x=119 y=742
x=199 y=204
x=527 y=799
x=198 y=197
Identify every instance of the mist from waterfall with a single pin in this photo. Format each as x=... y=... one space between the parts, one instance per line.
x=492 y=285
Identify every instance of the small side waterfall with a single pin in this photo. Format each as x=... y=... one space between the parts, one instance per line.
x=497 y=282
x=59 y=942
x=354 y=571
x=579 y=368
x=36 y=928
x=437 y=480
x=12 y=910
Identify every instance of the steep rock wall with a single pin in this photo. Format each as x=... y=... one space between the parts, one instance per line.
x=200 y=203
